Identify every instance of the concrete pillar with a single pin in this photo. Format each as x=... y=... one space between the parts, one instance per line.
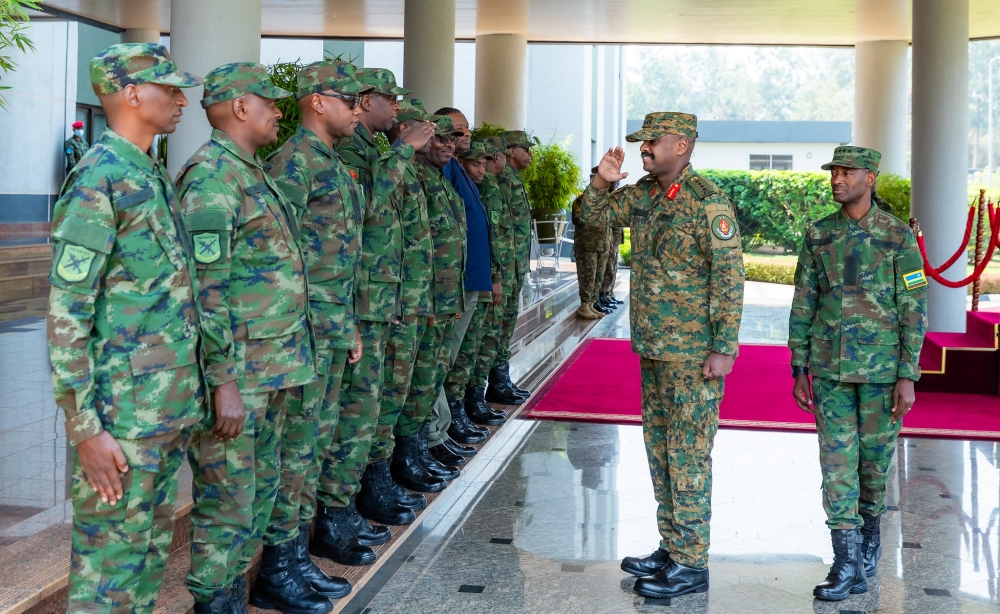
x=205 y=34
x=880 y=101
x=141 y=35
x=502 y=80
x=429 y=51
x=940 y=145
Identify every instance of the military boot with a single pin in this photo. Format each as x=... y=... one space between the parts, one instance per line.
x=366 y=533
x=477 y=409
x=461 y=429
x=586 y=312
x=408 y=470
x=499 y=392
x=334 y=539
x=502 y=385
x=430 y=463
x=221 y=603
x=672 y=581
x=377 y=502
x=504 y=372
x=871 y=544
x=238 y=593
x=330 y=587
x=445 y=456
x=457 y=448
x=280 y=585
x=409 y=500
x=847 y=575
x=600 y=308
x=640 y=566
x=607 y=302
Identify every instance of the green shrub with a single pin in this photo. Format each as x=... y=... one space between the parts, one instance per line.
x=552 y=180
x=625 y=249
x=488 y=129
x=285 y=75
x=895 y=191
x=769 y=270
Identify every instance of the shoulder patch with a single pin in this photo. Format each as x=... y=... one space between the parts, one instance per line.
x=74 y=262
x=723 y=227
x=914 y=280
x=701 y=187
x=207 y=247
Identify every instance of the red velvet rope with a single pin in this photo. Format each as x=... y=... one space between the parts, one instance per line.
x=963 y=248
x=935 y=273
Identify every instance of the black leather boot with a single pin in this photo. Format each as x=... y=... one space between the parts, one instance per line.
x=366 y=533
x=430 y=463
x=614 y=300
x=847 y=575
x=871 y=544
x=640 y=566
x=409 y=500
x=238 y=594
x=408 y=470
x=461 y=429
x=280 y=585
x=376 y=501
x=330 y=587
x=498 y=392
x=598 y=306
x=499 y=379
x=479 y=411
x=220 y=603
x=334 y=539
x=504 y=372
x=604 y=300
x=457 y=448
x=672 y=581
x=443 y=455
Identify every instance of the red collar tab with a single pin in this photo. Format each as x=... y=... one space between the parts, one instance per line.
x=674 y=189
x=653 y=191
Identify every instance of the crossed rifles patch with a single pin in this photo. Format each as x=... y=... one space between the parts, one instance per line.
x=74 y=264
x=207 y=248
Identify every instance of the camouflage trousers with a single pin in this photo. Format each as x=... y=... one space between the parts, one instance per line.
x=680 y=416
x=512 y=303
x=460 y=373
x=360 y=392
x=400 y=358
x=590 y=269
x=440 y=416
x=857 y=439
x=429 y=370
x=312 y=418
x=610 y=271
x=234 y=488
x=120 y=551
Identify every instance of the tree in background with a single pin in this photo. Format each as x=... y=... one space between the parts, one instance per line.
x=13 y=22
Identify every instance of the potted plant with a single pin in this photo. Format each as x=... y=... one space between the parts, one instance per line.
x=552 y=181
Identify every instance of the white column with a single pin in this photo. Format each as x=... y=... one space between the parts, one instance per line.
x=502 y=80
x=940 y=145
x=880 y=101
x=429 y=51
x=141 y=35
x=205 y=34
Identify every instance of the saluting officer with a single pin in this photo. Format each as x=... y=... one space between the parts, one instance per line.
x=687 y=301
x=857 y=323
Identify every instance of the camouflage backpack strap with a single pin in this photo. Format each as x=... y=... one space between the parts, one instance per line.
x=702 y=187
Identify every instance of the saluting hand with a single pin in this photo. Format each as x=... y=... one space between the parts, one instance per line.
x=609 y=169
x=103 y=463
x=229 y=411
x=802 y=391
x=418 y=135
x=903 y=398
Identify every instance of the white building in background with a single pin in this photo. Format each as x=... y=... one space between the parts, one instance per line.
x=755 y=146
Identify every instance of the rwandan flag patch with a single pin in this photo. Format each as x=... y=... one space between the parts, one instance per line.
x=914 y=279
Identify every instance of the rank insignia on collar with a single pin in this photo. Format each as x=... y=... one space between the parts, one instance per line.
x=353 y=173
x=674 y=189
x=652 y=192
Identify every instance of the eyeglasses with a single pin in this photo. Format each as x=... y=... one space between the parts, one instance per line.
x=444 y=140
x=354 y=99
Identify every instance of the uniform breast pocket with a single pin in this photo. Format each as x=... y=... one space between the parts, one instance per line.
x=328 y=210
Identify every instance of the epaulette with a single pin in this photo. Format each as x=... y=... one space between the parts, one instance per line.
x=702 y=187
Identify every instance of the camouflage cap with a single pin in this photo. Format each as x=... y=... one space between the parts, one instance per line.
x=328 y=75
x=444 y=126
x=413 y=108
x=230 y=81
x=134 y=64
x=665 y=122
x=518 y=138
x=496 y=144
x=478 y=148
x=854 y=157
x=382 y=81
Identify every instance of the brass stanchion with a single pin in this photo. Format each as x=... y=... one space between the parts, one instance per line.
x=980 y=225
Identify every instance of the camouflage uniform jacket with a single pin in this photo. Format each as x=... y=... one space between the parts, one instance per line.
x=502 y=256
x=687 y=265
x=588 y=237
x=379 y=177
x=858 y=314
x=330 y=213
x=417 y=294
x=446 y=213
x=251 y=273
x=123 y=321
x=517 y=201
x=75 y=149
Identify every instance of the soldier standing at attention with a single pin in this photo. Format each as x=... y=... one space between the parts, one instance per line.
x=590 y=247
x=329 y=212
x=122 y=309
x=857 y=324
x=687 y=301
x=252 y=290
x=75 y=146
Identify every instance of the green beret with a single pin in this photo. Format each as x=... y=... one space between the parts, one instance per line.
x=134 y=64
x=230 y=81
x=665 y=122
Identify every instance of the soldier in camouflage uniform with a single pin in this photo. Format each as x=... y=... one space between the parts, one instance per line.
x=606 y=296
x=330 y=213
x=590 y=247
x=123 y=336
x=687 y=301
x=252 y=291
x=75 y=147
x=417 y=306
x=857 y=324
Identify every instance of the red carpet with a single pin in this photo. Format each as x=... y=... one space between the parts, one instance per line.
x=600 y=382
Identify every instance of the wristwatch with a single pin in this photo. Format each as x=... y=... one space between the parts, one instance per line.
x=796 y=371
